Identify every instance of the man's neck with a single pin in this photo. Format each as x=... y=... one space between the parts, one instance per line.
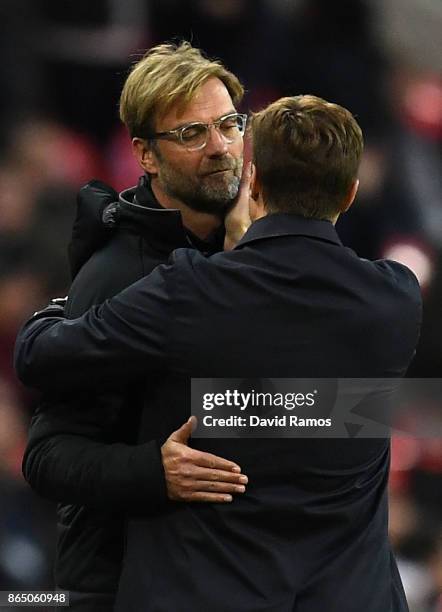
x=201 y=224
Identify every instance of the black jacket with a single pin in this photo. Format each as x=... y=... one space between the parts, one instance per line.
x=81 y=450
x=310 y=533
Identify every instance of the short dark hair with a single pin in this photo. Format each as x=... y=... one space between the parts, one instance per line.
x=307 y=153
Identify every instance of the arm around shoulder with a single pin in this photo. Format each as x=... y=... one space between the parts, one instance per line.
x=108 y=346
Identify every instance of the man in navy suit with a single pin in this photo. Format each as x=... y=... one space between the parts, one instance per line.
x=310 y=533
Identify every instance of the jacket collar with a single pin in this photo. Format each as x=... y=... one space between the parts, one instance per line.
x=163 y=227
x=284 y=224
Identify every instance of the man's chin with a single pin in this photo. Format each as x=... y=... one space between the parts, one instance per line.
x=218 y=207
x=218 y=181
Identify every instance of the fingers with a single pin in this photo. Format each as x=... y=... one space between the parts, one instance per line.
x=207 y=460
x=178 y=456
x=209 y=491
x=193 y=475
x=202 y=486
x=192 y=483
x=246 y=171
x=214 y=498
x=215 y=476
x=244 y=186
x=183 y=434
x=246 y=175
x=238 y=220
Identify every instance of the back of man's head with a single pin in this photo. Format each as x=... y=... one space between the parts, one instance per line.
x=168 y=74
x=307 y=153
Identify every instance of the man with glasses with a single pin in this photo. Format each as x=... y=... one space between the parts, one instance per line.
x=180 y=110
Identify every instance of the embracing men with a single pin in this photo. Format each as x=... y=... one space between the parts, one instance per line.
x=309 y=534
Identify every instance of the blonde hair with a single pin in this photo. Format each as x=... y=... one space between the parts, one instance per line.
x=168 y=74
x=307 y=153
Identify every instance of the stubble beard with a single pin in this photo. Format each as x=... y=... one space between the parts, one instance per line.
x=212 y=193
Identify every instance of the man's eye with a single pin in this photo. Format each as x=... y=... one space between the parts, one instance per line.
x=229 y=125
x=193 y=132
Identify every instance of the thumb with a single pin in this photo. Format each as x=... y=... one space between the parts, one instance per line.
x=183 y=434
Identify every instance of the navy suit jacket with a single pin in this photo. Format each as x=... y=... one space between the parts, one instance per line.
x=310 y=533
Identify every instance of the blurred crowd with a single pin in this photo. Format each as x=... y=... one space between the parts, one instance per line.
x=63 y=67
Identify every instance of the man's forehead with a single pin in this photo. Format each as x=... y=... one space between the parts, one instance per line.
x=211 y=101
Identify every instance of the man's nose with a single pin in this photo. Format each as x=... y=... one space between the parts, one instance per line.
x=216 y=143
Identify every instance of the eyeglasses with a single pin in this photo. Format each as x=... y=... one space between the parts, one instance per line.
x=194 y=136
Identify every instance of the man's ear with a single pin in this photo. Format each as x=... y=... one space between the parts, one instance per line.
x=350 y=196
x=144 y=155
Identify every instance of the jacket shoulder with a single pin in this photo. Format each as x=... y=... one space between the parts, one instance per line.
x=188 y=261
x=401 y=276
x=108 y=271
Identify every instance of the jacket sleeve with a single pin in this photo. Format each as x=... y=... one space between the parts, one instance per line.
x=81 y=446
x=109 y=346
x=68 y=458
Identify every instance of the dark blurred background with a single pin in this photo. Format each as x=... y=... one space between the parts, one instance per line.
x=63 y=65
